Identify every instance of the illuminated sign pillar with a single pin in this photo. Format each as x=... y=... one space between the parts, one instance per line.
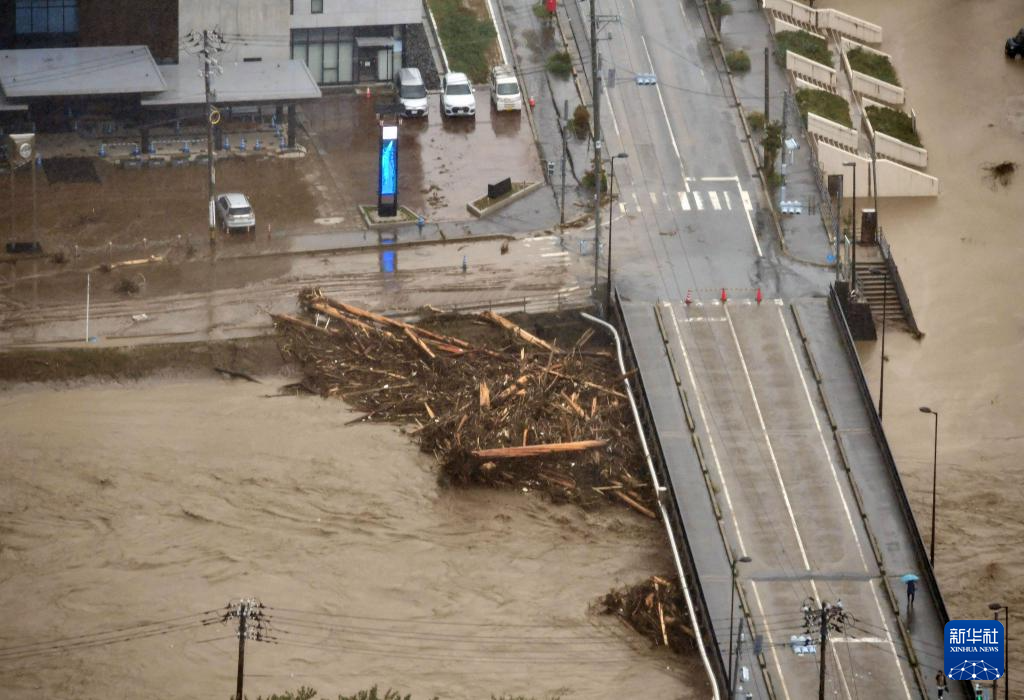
x=387 y=183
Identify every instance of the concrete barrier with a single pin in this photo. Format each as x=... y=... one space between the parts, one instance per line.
x=828 y=129
x=894 y=179
x=782 y=25
x=864 y=84
x=811 y=70
x=827 y=19
x=902 y=151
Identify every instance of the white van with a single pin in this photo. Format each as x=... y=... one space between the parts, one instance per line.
x=412 y=93
x=505 y=93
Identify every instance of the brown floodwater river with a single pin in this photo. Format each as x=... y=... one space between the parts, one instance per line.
x=150 y=503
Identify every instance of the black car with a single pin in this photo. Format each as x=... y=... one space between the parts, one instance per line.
x=1015 y=45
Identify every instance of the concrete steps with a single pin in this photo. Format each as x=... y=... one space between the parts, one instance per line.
x=872 y=278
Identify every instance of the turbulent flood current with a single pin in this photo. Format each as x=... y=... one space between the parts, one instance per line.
x=147 y=507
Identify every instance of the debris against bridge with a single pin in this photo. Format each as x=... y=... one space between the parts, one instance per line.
x=654 y=609
x=508 y=408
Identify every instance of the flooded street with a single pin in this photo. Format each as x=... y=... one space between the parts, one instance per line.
x=960 y=257
x=163 y=499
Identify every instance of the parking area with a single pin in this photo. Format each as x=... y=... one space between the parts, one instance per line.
x=443 y=164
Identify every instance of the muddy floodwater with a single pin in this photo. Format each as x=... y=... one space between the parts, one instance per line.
x=961 y=257
x=125 y=505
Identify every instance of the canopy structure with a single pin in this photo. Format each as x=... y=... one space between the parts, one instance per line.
x=248 y=82
x=65 y=72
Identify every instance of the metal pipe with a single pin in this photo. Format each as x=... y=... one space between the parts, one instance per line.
x=659 y=490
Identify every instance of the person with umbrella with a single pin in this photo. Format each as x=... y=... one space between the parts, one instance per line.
x=911 y=581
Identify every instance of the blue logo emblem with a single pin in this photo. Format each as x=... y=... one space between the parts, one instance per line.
x=974 y=650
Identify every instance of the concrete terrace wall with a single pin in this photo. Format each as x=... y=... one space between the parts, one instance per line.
x=811 y=70
x=357 y=13
x=866 y=85
x=894 y=179
x=264 y=21
x=828 y=129
x=827 y=19
x=902 y=151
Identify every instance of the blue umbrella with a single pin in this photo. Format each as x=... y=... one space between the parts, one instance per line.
x=907 y=578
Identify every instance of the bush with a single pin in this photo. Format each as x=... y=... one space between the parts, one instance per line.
x=738 y=61
x=772 y=142
x=580 y=123
x=719 y=9
x=755 y=120
x=872 y=64
x=897 y=124
x=467 y=39
x=540 y=11
x=824 y=104
x=560 y=64
x=807 y=45
x=588 y=181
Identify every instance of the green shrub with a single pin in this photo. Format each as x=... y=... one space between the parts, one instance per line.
x=772 y=142
x=738 y=61
x=467 y=39
x=588 y=181
x=824 y=104
x=897 y=124
x=580 y=123
x=755 y=120
x=807 y=45
x=872 y=64
x=540 y=11
x=719 y=9
x=560 y=64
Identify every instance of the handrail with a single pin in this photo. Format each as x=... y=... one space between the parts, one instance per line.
x=897 y=283
x=659 y=491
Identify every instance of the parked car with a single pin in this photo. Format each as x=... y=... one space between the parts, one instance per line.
x=505 y=92
x=457 y=96
x=1015 y=45
x=234 y=213
x=412 y=93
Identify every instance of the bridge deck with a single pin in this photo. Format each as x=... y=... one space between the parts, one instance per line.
x=776 y=474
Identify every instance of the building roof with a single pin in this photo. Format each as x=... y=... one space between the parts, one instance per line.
x=6 y=106
x=96 y=70
x=246 y=83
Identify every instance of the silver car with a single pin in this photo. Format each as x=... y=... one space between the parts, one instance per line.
x=234 y=212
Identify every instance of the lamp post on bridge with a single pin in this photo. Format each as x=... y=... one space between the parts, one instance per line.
x=935 y=472
x=611 y=191
x=732 y=610
x=995 y=608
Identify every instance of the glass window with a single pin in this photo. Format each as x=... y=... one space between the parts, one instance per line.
x=327 y=53
x=46 y=16
x=458 y=89
x=316 y=6
x=316 y=61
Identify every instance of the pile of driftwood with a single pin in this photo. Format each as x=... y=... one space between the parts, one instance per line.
x=654 y=609
x=507 y=409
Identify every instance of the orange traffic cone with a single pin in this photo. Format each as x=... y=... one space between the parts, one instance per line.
x=759 y=297
x=689 y=297
x=368 y=92
x=724 y=297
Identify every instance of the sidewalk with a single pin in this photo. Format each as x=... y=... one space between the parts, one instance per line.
x=747 y=28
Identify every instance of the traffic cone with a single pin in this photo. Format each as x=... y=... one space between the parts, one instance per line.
x=689 y=297
x=758 y=297
x=533 y=103
x=368 y=92
x=724 y=297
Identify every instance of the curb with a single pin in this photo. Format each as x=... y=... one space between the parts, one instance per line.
x=501 y=203
x=378 y=225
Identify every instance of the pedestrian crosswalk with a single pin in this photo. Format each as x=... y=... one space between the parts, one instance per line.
x=692 y=202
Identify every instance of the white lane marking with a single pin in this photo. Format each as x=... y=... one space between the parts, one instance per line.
x=684 y=201
x=723 y=178
x=713 y=196
x=501 y=44
x=771 y=642
x=859 y=640
x=562 y=254
x=846 y=507
x=543 y=238
x=668 y=122
x=768 y=443
x=569 y=289
x=654 y=198
x=746 y=200
x=753 y=233
x=728 y=202
x=622 y=208
x=708 y=319
x=636 y=201
x=698 y=201
x=611 y=111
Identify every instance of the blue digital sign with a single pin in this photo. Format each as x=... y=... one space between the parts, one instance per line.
x=389 y=168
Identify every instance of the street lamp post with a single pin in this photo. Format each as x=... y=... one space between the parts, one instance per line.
x=881 y=373
x=935 y=473
x=853 y=269
x=732 y=609
x=611 y=190
x=995 y=608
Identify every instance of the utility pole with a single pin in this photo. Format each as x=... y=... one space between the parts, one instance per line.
x=736 y=660
x=767 y=113
x=565 y=125
x=252 y=624
x=595 y=79
x=829 y=617
x=207 y=44
x=243 y=607
x=822 y=651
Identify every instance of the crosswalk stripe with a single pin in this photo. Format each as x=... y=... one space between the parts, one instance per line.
x=654 y=198
x=622 y=208
x=728 y=202
x=698 y=201
x=713 y=196
x=684 y=201
x=746 y=200
x=636 y=201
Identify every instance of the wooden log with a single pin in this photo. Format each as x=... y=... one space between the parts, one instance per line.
x=635 y=505
x=539 y=450
x=661 y=614
x=517 y=331
x=334 y=313
x=393 y=322
x=485 y=395
x=411 y=335
x=285 y=318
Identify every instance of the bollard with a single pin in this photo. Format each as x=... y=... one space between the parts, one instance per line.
x=103 y=150
x=283 y=144
x=464 y=265
x=39 y=160
x=420 y=222
x=241 y=144
x=185 y=149
x=135 y=150
x=151 y=149
x=145 y=244
x=258 y=146
x=227 y=143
